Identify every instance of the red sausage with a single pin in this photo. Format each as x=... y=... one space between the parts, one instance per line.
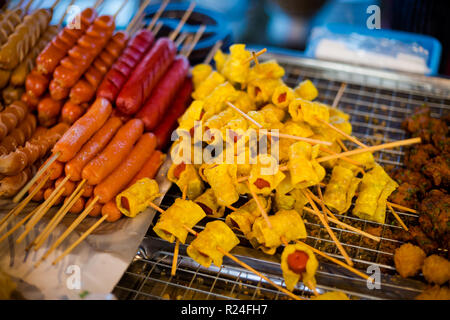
x=297 y=261
x=36 y=84
x=147 y=74
x=182 y=100
x=133 y=54
x=163 y=94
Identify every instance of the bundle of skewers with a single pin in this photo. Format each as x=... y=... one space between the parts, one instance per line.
x=117 y=140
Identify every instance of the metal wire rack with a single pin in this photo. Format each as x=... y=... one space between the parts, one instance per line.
x=377 y=102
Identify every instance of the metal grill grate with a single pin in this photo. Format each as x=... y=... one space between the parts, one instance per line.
x=377 y=102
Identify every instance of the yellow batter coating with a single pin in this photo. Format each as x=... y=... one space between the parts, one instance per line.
x=222 y=179
x=304 y=169
x=307 y=111
x=171 y=223
x=203 y=249
x=207 y=86
x=306 y=90
x=209 y=200
x=266 y=70
x=291 y=278
x=235 y=68
x=138 y=196
x=199 y=73
x=190 y=178
x=340 y=189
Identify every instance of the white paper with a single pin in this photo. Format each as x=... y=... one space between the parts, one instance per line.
x=91 y=270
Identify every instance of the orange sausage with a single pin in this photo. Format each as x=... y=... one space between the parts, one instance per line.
x=151 y=167
x=95 y=145
x=71 y=112
x=88 y=190
x=112 y=211
x=123 y=174
x=48 y=109
x=69 y=186
x=57 y=170
x=96 y=209
x=116 y=151
x=83 y=129
x=78 y=206
x=39 y=196
x=57 y=91
x=47 y=194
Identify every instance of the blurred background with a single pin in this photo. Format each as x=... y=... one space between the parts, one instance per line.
x=312 y=28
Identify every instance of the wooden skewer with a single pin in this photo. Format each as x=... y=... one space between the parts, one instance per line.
x=255 y=58
x=80 y=239
x=339 y=95
x=27 y=7
x=183 y=20
x=21 y=205
x=120 y=9
x=394 y=205
x=338 y=262
x=330 y=232
x=61 y=20
x=347 y=226
x=69 y=230
x=197 y=38
x=154 y=206
x=212 y=52
x=397 y=217
x=54 y=5
x=186 y=43
x=341 y=144
x=43 y=208
x=157 y=28
x=184 y=192
x=175 y=258
x=246 y=116
x=371 y=149
x=38 y=174
x=59 y=215
x=260 y=207
x=97 y=4
x=257 y=54
x=20 y=223
x=349 y=137
x=181 y=39
x=138 y=15
x=321 y=202
x=158 y=14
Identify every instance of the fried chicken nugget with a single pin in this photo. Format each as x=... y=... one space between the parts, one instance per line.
x=408 y=260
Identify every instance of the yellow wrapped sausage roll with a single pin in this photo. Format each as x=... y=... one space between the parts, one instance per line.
x=192 y=114
x=340 y=189
x=208 y=85
x=241 y=220
x=266 y=70
x=265 y=175
x=261 y=90
x=306 y=90
x=186 y=175
x=282 y=96
x=204 y=248
x=375 y=188
x=304 y=169
x=199 y=73
x=235 y=67
x=137 y=197
x=171 y=224
x=222 y=179
x=219 y=59
x=292 y=276
x=215 y=102
x=285 y=223
x=309 y=112
x=208 y=202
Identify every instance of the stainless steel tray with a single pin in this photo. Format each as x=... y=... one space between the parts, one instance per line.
x=378 y=102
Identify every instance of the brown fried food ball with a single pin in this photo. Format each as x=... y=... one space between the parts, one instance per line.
x=408 y=260
x=436 y=269
x=435 y=293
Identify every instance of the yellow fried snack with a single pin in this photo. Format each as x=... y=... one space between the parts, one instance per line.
x=331 y=295
x=408 y=259
x=209 y=204
x=304 y=169
x=192 y=114
x=215 y=102
x=266 y=70
x=188 y=177
x=219 y=59
x=137 y=197
x=204 y=248
x=265 y=175
x=208 y=85
x=292 y=277
x=244 y=102
x=340 y=189
x=241 y=220
x=171 y=224
x=285 y=223
x=235 y=68
x=306 y=90
x=222 y=179
x=261 y=90
x=294 y=200
x=199 y=73
x=282 y=96
x=309 y=112
x=436 y=269
x=376 y=186
x=366 y=160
